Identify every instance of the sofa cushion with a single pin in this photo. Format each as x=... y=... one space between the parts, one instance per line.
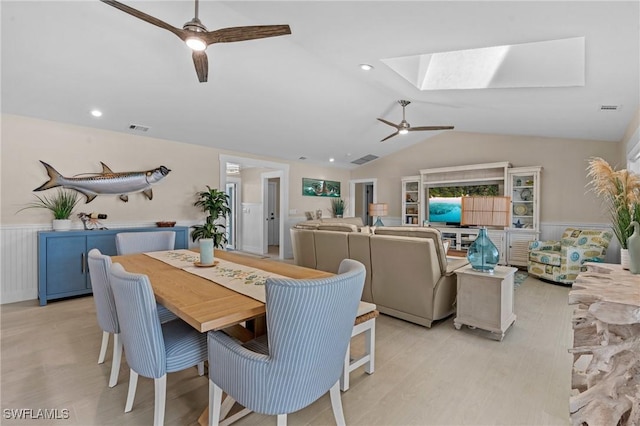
x=418 y=232
x=342 y=227
x=351 y=220
x=307 y=225
x=585 y=237
x=332 y=247
x=546 y=257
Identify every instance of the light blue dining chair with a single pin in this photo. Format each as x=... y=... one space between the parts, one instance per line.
x=153 y=349
x=309 y=325
x=99 y=265
x=140 y=242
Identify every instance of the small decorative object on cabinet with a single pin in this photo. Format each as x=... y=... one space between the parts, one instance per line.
x=61 y=205
x=62 y=258
x=485 y=300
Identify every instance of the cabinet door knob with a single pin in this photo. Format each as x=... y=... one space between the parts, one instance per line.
x=83 y=266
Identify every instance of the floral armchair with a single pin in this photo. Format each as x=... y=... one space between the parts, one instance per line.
x=561 y=261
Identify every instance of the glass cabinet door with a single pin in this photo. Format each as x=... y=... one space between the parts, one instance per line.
x=411 y=201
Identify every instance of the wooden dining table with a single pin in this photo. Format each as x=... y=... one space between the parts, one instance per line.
x=206 y=305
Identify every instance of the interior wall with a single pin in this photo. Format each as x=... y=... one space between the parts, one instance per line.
x=301 y=203
x=74 y=149
x=564 y=196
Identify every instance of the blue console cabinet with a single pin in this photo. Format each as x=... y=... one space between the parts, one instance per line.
x=62 y=258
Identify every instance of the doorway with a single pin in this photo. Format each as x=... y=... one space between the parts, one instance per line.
x=273 y=217
x=362 y=192
x=251 y=225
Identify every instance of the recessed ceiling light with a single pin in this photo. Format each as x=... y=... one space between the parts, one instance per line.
x=96 y=113
x=366 y=67
x=331 y=160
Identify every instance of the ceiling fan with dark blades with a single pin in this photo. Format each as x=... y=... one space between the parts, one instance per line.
x=404 y=127
x=198 y=38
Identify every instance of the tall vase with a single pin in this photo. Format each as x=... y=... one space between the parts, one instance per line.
x=206 y=251
x=483 y=255
x=633 y=246
x=624 y=258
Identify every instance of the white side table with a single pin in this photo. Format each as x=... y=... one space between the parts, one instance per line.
x=485 y=300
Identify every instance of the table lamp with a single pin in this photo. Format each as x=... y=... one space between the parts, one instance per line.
x=378 y=209
x=483 y=255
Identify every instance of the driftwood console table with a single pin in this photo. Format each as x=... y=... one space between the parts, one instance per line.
x=606 y=347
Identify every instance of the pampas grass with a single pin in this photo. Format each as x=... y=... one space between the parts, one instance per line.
x=620 y=190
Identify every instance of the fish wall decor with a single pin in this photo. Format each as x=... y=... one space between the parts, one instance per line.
x=108 y=182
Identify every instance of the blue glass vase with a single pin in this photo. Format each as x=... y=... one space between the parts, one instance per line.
x=483 y=255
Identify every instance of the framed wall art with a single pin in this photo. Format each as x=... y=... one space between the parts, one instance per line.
x=320 y=188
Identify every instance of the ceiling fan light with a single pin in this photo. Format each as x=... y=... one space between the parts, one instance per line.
x=196 y=44
x=403 y=131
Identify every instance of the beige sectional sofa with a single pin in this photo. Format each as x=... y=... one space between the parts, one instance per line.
x=408 y=273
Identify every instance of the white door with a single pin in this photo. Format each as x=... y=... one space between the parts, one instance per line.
x=273 y=219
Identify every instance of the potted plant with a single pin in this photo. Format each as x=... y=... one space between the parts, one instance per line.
x=215 y=204
x=620 y=190
x=61 y=205
x=337 y=207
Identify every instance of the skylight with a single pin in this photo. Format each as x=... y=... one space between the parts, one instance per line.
x=553 y=63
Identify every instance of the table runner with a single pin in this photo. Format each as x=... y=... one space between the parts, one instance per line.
x=243 y=279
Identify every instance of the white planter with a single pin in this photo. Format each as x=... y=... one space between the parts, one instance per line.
x=624 y=258
x=61 y=224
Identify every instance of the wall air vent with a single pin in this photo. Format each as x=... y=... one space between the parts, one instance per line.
x=364 y=159
x=138 y=127
x=610 y=107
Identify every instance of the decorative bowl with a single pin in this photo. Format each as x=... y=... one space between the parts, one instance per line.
x=165 y=224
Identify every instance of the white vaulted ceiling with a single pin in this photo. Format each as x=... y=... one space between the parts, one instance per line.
x=304 y=94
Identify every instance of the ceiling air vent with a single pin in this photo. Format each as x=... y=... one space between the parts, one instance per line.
x=364 y=159
x=610 y=107
x=138 y=127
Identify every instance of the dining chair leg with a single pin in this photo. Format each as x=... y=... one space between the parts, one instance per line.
x=115 y=362
x=160 y=386
x=201 y=368
x=215 y=399
x=103 y=347
x=133 y=384
x=344 y=378
x=370 y=345
x=282 y=420
x=336 y=404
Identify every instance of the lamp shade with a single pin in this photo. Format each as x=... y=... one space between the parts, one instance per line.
x=378 y=209
x=485 y=211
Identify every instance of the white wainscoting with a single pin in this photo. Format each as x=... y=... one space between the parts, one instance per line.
x=252 y=218
x=19 y=262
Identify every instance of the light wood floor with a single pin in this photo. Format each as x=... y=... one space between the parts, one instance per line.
x=437 y=376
